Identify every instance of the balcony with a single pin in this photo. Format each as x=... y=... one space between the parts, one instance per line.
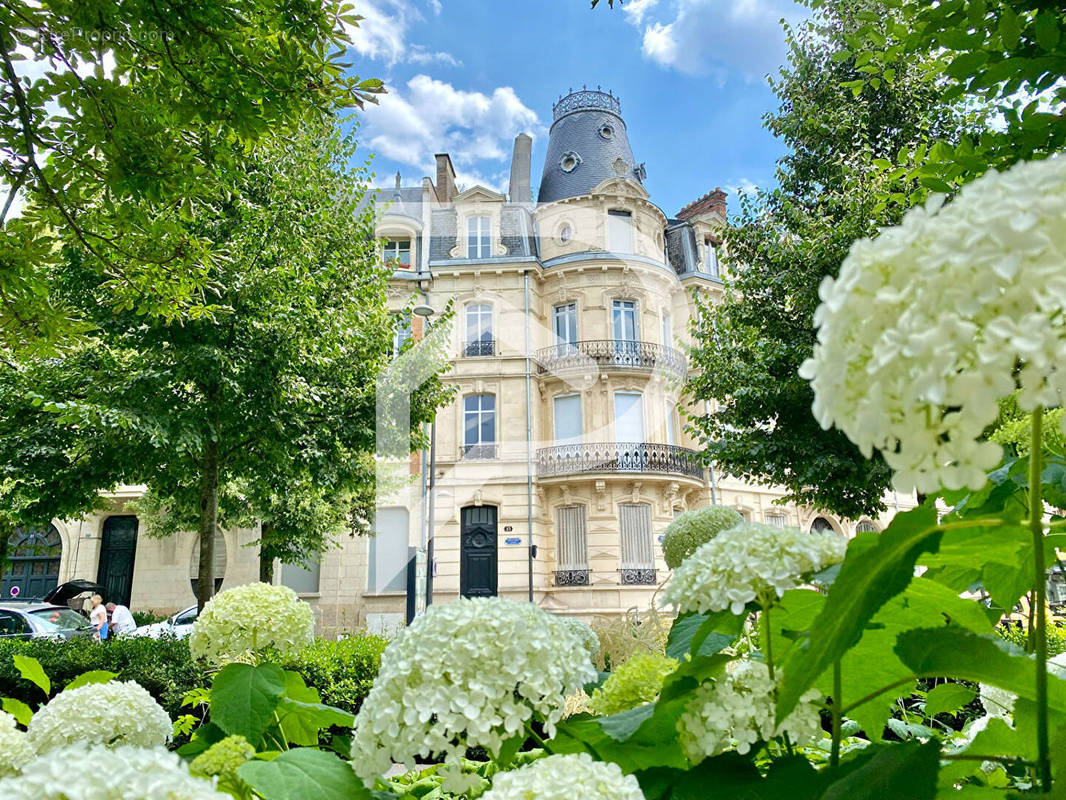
x=639 y=457
x=476 y=452
x=482 y=347
x=611 y=354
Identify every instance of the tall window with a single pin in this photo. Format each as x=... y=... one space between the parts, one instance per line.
x=398 y=253
x=479 y=426
x=479 y=340
x=564 y=318
x=619 y=231
x=387 y=570
x=478 y=237
x=401 y=332
x=301 y=578
x=572 y=547
x=568 y=419
x=668 y=330
x=624 y=320
x=774 y=518
x=638 y=558
x=628 y=417
x=671 y=425
x=710 y=261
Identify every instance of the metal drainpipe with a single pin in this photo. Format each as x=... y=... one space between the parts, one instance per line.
x=529 y=446
x=710 y=464
x=431 y=488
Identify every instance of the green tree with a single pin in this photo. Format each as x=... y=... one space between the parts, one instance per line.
x=266 y=410
x=117 y=119
x=787 y=239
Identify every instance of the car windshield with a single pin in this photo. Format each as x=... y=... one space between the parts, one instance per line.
x=59 y=619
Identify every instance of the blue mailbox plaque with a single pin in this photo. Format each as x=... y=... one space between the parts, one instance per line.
x=512 y=540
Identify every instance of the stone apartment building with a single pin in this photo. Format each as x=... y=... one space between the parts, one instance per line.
x=564 y=453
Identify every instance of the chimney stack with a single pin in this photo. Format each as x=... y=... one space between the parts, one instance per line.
x=710 y=202
x=445 y=178
x=519 y=189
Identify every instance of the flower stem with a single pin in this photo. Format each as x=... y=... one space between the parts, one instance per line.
x=838 y=715
x=1036 y=527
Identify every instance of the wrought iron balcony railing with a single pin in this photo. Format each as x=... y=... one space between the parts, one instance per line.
x=483 y=347
x=574 y=459
x=479 y=451
x=611 y=354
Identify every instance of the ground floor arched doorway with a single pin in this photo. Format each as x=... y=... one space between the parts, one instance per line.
x=33 y=563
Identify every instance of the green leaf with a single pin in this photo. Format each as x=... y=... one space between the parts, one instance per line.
x=304 y=774
x=90 y=677
x=30 y=669
x=19 y=710
x=1046 y=29
x=946 y=698
x=957 y=653
x=877 y=567
x=244 y=698
x=703 y=634
x=904 y=770
x=624 y=724
x=301 y=715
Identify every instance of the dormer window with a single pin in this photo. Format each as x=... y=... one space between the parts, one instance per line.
x=478 y=237
x=710 y=258
x=398 y=253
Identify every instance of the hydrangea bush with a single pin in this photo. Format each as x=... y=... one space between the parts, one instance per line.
x=638 y=681
x=926 y=326
x=115 y=713
x=473 y=673
x=94 y=772
x=693 y=528
x=15 y=747
x=749 y=562
x=248 y=621
x=565 y=777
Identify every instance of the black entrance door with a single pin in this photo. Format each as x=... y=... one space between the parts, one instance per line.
x=477 y=552
x=117 y=550
x=34 y=563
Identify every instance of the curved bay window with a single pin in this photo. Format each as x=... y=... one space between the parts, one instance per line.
x=479 y=338
x=33 y=557
x=479 y=426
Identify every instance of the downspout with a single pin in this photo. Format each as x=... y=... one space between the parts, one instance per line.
x=710 y=464
x=529 y=445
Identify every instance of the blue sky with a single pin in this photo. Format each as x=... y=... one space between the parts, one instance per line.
x=465 y=76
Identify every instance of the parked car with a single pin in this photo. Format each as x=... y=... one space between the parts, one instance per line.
x=41 y=620
x=179 y=626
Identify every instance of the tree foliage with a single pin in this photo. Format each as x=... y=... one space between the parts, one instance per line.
x=787 y=239
x=117 y=120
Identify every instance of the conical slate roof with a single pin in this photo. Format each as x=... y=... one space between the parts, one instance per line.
x=587 y=145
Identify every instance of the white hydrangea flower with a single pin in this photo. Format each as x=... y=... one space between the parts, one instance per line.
x=737 y=710
x=565 y=778
x=252 y=619
x=15 y=747
x=588 y=636
x=470 y=673
x=109 y=714
x=926 y=325
x=95 y=772
x=748 y=561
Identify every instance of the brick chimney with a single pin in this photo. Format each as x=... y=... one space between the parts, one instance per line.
x=709 y=203
x=445 y=178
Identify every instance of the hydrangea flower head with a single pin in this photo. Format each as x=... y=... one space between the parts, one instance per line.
x=15 y=747
x=465 y=674
x=223 y=759
x=109 y=714
x=693 y=528
x=565 y=778
x=638 y=681
x=252 y=619
x=747 y=562
x=95 y=772
x=736 y=710
x=926 y=326
x=584 y=632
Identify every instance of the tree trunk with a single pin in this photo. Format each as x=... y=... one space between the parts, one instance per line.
x=266 y=561
x=205 y=571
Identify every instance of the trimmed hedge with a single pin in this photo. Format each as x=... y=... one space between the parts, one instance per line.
x=342 y=671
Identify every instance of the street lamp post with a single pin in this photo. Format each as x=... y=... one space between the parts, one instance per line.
x=426 y=311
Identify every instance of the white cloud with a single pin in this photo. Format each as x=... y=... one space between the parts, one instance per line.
x=743 y=186
x=431 y=116
x=714 y=37
x=636 y=9
x=382 y=33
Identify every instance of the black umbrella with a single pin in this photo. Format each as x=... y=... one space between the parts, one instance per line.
x=65 y=591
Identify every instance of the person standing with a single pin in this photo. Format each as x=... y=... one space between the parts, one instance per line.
x=98 y=618
x=122 y=620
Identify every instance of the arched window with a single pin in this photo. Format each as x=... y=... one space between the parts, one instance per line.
x=865 y=526
x=33 y=562
x=479 y=426
x=821 y=524
x=479 y=338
